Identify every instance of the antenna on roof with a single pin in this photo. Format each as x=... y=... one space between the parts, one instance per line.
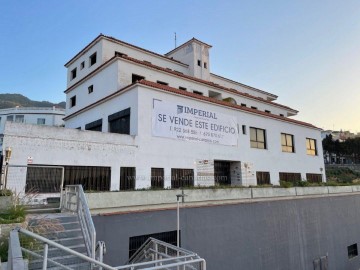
x=175 y=39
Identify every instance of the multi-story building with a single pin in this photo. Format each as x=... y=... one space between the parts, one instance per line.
x=190 y=125
x=50 y=116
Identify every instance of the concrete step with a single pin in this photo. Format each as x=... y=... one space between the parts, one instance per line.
x=54 y=252
x=70 y=241
x=63 y=234
x=35 y=227
x=68 y=260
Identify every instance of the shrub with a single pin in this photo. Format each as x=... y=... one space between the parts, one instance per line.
x=286 y=184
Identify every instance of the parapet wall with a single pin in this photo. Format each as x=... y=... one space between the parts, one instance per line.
x=127 y=201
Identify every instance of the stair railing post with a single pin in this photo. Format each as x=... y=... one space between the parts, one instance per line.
x=46 y=248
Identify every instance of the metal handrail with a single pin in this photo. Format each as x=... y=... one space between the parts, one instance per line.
x=68 y=250
x=72 y=192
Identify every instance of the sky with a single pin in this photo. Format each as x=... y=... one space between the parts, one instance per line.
x=306 y=52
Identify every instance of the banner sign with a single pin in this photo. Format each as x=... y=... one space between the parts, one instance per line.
x=178 y=121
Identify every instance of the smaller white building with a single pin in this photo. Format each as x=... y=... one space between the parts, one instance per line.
x=49 y=116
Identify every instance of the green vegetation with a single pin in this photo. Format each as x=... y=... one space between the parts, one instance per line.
x=342 y=176
x=5 y=192
x=13 y=214
x=13 y=100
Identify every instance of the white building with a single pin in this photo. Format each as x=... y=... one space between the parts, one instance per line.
x=177 y=123
x=50 y=116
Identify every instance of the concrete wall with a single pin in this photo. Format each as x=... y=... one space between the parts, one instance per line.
x=109 y=202
x=286 y=234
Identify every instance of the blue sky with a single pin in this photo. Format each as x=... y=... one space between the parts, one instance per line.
x=306 y=52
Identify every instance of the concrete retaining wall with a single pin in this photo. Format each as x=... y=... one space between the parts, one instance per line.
x=141 y=200
x=258 y=235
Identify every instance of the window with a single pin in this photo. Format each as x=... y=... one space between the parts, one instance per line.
x=82 y=65
x=352 y=251
x=41 y=121
x=135 y=78
x=182 y=88
x=290 y=177
x=253 y=107
x=257 y=138
x=19 y=119
x=244 y=129
x=127 y=178
x=157 y=177
x=94 y=126
x=199 y=63
x=163 y=83
x=281 y=115
x=10 y=118
x=182 y=178
x=92 y=59
x=197 y=92
x=287 y=143
x=48 y=180
x=311 y=147
x=136 y=242
x=91 y=89
x=73 y=74
x=72 y=101
x=263 y=178
x=205 y=65
x=314 y=177
x=243 y=104
x=120 y=122
x=267 y=111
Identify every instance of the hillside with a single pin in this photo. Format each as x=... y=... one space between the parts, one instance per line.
x=13 y=100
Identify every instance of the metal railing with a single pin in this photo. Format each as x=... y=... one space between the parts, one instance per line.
x=49 y=243
x=156 y=254
x=153 y=255
x=74 y=200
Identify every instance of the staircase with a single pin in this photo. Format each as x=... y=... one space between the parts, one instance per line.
x=67 y=240
x=64 y=229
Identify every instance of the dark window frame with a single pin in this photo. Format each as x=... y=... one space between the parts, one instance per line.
x=120 y=122
x=198 y=93
x=311 y=149
x=135 y=78
x=257 y=142
x=352 y=251
x=263 y=178
x=92 y=59
x=94 y=126
x=157 y=177
x=314 y=177
x=182 y=88
x=182 y=177
x=290 y=177
x=90 y=89
x=73 y=74
x=127 y=178
x=161 y=82
x=287 y=147
x=73 y=101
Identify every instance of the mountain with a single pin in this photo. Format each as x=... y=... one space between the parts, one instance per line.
x=13 y=100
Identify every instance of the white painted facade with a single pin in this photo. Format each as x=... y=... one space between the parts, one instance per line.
x=114 y=91
x=49 y=116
